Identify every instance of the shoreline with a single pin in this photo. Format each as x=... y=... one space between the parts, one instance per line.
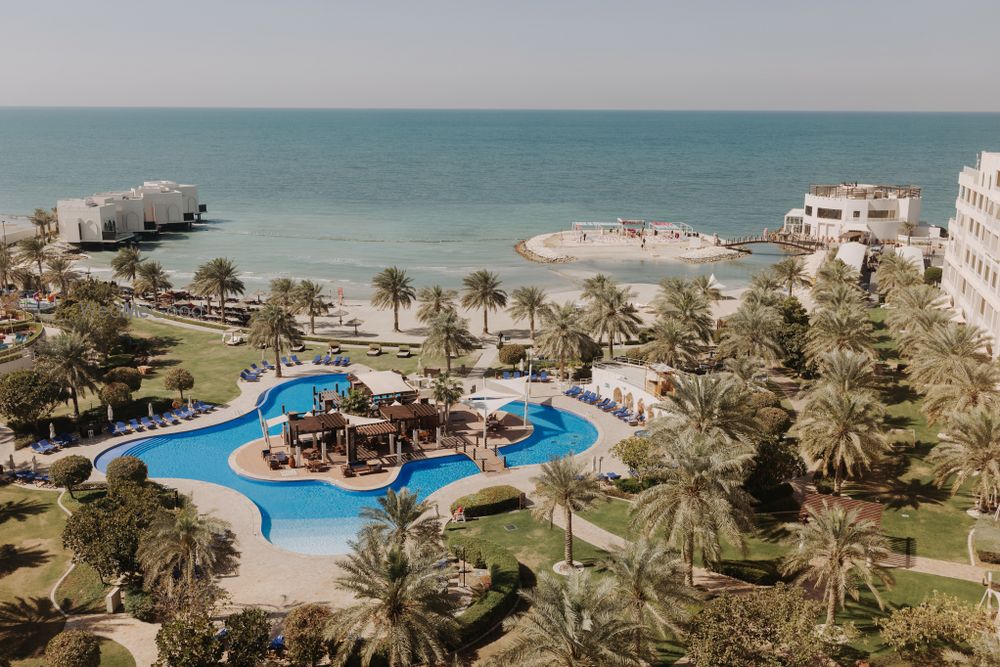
x=570 y=246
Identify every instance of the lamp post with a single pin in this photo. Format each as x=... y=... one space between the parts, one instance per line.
x=527 y=387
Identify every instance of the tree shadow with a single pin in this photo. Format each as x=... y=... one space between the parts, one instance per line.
x=13 y=558
x=19 y=510
x=27 y=625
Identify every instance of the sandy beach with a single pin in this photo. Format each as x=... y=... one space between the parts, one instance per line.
x=567 y=246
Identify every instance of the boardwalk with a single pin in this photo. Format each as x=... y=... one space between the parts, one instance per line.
x=805 y=245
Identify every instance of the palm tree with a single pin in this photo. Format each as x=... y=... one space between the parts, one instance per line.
x=842 y=433
x=595 y=285
x=943 y=349
x=151 y=277
x=836 y=295
x=218 y=277
x=434 y=301
x=705 y=404
x=563 y=336
x=970 y=450
x=282 y=292
x=791 y=272
x=273 y=327
x=399 y=520
x=687 y=305
x=35 y=251
x=400 y=613
x=564 y=484
x=446 y=391
x=707 y=286
x=482 y=290
x=40 y=218
x=650 y=582
x=835 y=271
x=393 y=289
x=575 y=621
x=69 y=360
x=839 y=329
x=766 y=281
x=182 y=544
x=59 y=272
x=529 y=303
x=846 y=371
x=448 y=336
x=125 y=264
x=895 y=272
x=753 y=331
x=973 y=384
x=671 y=343
x=699 y=500
x=748 y=372
x=839 y=552
x=909 y=300
x=613 y=315
x=10 y=265
x=308 y=299
x=915 y=332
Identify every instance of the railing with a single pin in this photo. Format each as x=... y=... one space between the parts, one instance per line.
x=114 y=235
x=853 y=191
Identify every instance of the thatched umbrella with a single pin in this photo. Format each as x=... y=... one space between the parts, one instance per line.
x=339 y=314
x=355 y=323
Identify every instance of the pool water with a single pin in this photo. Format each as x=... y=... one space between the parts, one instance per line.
x=316 y=517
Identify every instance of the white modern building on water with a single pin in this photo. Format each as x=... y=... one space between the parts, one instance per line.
x=856 y=212
x=111 y=218
x=972 y=259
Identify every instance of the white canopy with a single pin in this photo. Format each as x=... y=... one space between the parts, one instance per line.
x=853 y=254
x=714 y=283
x=357 y=420
x=488 y=401
x=274 y=421
x=382 y=383
x=513 y=386
x=913 y=254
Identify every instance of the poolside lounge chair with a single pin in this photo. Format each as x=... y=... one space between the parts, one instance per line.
x=286 y=362
x=204 y=407
x=506 y=375
x=160 y=421
x=516 y=375
x=257 y=370
x=335 y=361
x=147 y=423
x=543 y=376
x=42 y=447
x=604 y=403
x=326 y=360
x=248 y=376
x=134 y=424
x=119 y=428
x=573 y=391
x=345 y=361
x=65 y=439
x=295 y=358
x=268 y=366
x=171 y=417
x=613 y=476
x=317 y=360
x=612 y=407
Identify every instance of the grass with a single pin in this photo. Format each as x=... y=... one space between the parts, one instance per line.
x=612 y=516
x=82 y=591
x=113 y=654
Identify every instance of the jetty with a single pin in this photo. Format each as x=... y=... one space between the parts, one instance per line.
x=485 y=458
x=740 y=244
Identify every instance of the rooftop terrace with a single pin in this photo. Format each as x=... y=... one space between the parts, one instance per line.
x=865 y=191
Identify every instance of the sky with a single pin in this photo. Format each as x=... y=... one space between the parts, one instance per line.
x=877 y=55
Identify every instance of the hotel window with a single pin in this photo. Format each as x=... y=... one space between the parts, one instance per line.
x=857 y=214
x=809 y=210
x=880 y=215
x=829 y=213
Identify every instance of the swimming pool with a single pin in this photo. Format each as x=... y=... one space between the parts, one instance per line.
x=316 y=517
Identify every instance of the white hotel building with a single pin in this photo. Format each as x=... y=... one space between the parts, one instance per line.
x=855 y=212
x=110 y=218
x=972 y=260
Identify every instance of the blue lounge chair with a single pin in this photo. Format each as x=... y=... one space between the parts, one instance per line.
x=147 y=423
x=506 y=375
x=171 y=417
x=268 y=366
x=613 y=476
x=317 y=359
x=42 y=447
x=326 y=360
x=573 y=391
x=25 y=475
x=120 y=429
x=603 y=404
x=66 y=439
x=204 y=407
x=295 y=358
x=247 y=376
x=286 y=362
x=184 y=413
x=346 y=361
x=257 y=370
x=160 y=421
x=334 y=361
x=612 y=407
x=517 y=375
x=278 y=644
x=543 y=376
x=134 y=425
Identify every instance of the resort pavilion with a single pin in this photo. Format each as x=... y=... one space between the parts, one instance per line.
x=384 y=387
x=418 y=421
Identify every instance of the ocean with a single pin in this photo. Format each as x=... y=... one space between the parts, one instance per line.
x=336 y=195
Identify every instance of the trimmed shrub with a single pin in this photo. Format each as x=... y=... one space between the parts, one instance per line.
x=126 y=469
x=179 y=380
x=116 y=394
x=73 y=648
x=71 y=471
x=489 y=500
x=247 y=638
x=126 y=375
x=632 y=485
x=305 y=633
x=139 y=605
x=512 y=355
x=758 y=572
x=505 y=581
x=932 y=275
x=763 y=399
x=773 y=420
x=988 y=556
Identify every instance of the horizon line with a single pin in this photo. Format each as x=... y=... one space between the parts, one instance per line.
x=498 y=109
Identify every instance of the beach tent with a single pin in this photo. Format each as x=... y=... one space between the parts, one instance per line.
x=912 y=254
x=853 y=254
x=488 y=401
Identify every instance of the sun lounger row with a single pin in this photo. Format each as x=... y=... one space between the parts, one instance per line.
x=291 y=361
x=28 y=477
x=328 y=360
x=168 y=418
x=535 y=377
x=54 y=444
x=608 y=405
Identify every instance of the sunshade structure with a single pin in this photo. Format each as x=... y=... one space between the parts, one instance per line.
x=913 y=255
x=412 y=416
x=488 y=401
x=355 y=322
x=853 y=254
x=385 y=386
x=339 y=314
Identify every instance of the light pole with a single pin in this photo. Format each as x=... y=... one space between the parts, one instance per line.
x=527 y=387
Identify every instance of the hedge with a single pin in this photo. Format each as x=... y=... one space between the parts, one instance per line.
x=758 y=572
x=489 y=500
x=988 y=556
x=633 y=485
x=505 y=577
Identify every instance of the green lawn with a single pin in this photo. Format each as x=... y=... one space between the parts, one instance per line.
x=82 y=592
x=113 y=654
x=612 y=516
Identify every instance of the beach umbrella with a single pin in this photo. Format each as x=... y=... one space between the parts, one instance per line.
x=10 y=463
x=52 y=431
x=339 y=313
x=355 y=323
x=190 y=404
x=34 y=464
x=150 y=406
x=111 y=414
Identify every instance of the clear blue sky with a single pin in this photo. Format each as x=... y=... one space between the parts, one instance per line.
x=726 y=54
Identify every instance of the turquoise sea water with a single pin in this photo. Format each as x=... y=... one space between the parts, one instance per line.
x=311 y=516
x=337 y=194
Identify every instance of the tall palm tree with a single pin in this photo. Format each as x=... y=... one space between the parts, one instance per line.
x=612 y=315
x=837 y=295
x=842 y=433
x=273 y=327
x=218 y=277
x=706 y=404
x=596 y=285
x=839 y=329
x=835 y=271
x=895 y=272
x=529 y=303
x=650 y=581
x=753 y=331
x=839 y=552
x=688 y=305
x=846 y=371
x=399 y=614
x=766 y=281
x=671 y=343
x=308 y=299
x=942 y=350
x=791 y=272
x=151 y=277
x=446 y=391
x=40 y=218
x=393 y=289
x=707 y=286
x=182 y=544
x=35 y=251
x=564 y=484
x=909 y=300
x=70 y=361
x=699 y=500
x=911 y=335
x=125 y=264
x=282 y=292
x=59 y=273
x=448 y=336
x=434 y=301
x=748 y=372
x=563 y=336
x=10 y=265
x=974 y=384
x=482 y=290
x=970 y=450
x=575 y=621
x=400 y=519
